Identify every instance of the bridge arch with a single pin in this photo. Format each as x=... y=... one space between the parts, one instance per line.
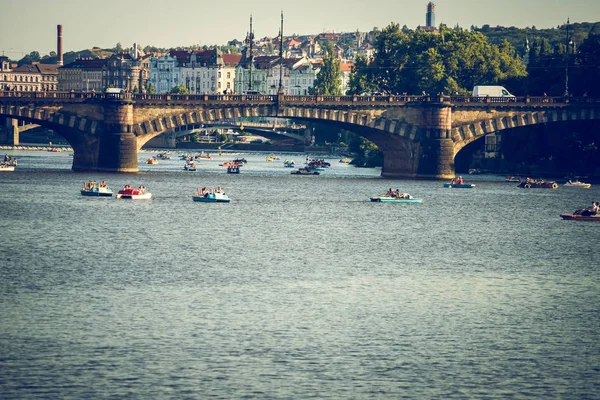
x=81 y=133
x=463 y=134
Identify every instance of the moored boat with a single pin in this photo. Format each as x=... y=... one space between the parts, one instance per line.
x=134 y=194
x=510 y=178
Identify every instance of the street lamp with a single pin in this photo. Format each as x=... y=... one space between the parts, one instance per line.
x=568 y=42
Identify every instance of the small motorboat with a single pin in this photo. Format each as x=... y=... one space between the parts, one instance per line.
x=305 y=171
x=579 y=217
x=289 y=163
x=97 y=192
x=152 y=161
x=134 y=194
x=459 y=185
x=510 y=178
x=269 y=159
x=577 y=184
x=212 y=198
x=233 y=169
x=162 y=156
x=474 y=171
x=190 y=167
x=345 y=160
x=240 y=161
x=390 y=199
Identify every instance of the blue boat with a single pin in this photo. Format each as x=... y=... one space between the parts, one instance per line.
x=459 y=185
x=97 y=192
x=212 y=198
x=389 y=199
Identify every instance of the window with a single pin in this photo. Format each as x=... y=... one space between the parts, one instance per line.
x=219 y=74
x=228 y=76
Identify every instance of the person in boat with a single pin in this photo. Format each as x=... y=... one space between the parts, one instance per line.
x=220 y=190
x=459 y=180
x=390 y=193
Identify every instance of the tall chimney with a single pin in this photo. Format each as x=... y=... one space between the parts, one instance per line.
x=59 y=49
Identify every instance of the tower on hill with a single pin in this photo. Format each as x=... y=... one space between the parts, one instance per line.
x=430 y=18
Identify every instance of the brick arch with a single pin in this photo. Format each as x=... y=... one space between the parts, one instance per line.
x=464 y=134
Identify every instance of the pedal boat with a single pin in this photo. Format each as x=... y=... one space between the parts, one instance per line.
x=459 y=185
x=133 y=194
x=578 y=217
x=212 y=198
x=389 y=199
x=577 y=184
x=97 y=192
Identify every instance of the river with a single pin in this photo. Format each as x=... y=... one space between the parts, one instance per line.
x=299 y=288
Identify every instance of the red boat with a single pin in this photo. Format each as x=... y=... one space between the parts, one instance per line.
x=134 y=194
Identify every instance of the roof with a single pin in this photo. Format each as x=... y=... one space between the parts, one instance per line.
x=232 y=59
x=96 y=63
x=44 y=69
x=181 y=55
x=346 y=66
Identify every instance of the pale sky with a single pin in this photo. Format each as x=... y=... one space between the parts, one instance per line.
x=28 y=25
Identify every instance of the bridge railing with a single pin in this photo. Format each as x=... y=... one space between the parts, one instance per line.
x=294 y=99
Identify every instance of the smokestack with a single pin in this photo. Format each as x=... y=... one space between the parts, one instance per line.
x=59 y=49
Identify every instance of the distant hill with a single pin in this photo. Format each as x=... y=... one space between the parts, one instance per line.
x=578 y=32
x=71 y=56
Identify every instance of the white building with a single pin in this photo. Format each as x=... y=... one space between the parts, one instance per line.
x=164 y=73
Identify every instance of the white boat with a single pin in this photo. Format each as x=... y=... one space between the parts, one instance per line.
x=577 y=184
x=7 y=168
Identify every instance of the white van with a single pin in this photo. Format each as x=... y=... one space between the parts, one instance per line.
x=114 y=90
x=491 y=91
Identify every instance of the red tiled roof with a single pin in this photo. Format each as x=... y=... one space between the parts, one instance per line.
x=232 y=59
x=181 y=55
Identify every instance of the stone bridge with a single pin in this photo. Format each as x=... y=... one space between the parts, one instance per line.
x=419 y=136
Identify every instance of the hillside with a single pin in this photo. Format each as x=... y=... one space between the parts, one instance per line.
x=578 y=32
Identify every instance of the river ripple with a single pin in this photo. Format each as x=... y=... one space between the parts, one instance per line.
x=299 y=288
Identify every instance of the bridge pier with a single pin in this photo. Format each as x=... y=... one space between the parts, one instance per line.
x=118 y=147
x=429 y=157
x=9 y=133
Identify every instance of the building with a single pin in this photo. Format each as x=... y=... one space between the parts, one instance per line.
x=82 y=75
x=164 y=73
x=345 y=70
x=28 y=77
x=127 y=70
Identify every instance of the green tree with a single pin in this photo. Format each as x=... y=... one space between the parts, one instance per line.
x=151 y=88
x=180 y=89
x=453 y=61
x=586 y=75
x=329 y=78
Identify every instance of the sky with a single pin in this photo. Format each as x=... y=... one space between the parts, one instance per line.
x=30 y=25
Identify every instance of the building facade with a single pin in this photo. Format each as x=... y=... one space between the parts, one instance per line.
x=83 y=75
x=28 y=77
